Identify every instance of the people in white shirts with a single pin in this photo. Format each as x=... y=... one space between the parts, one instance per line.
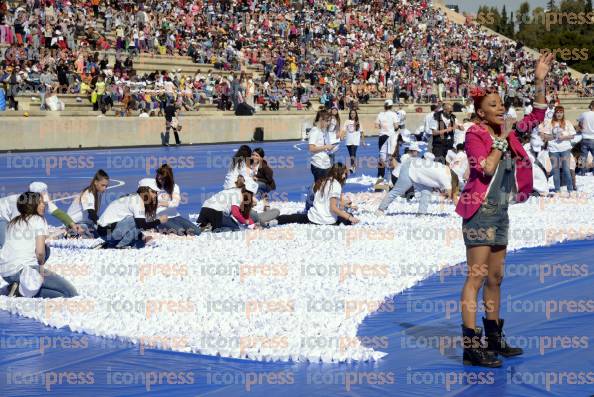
x=41 y=188
x=457 y=160
x=401 y=113
x=510 y=111
x=84 y=209
x=427 y=135
x=334 y=132
x=24 y=254
x=388 y=124
x=559 y=132
x=354 y=137
x=122 y=222
x=443 y=126
x=412 y=151
x=230 y=208
x=424 y=175
x=240 y=165
x=541 y=166
x=320 y=146
x=328 y=205
x=586 y=123
x=169 y=198
x=550 y=112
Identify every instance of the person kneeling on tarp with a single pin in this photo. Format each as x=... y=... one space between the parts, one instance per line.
x=124 y=219
x=424 y=175
x=24 y=254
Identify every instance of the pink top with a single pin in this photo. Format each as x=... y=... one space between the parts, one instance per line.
x=478 y=146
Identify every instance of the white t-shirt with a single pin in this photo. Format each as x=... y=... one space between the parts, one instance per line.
x=235 y=172
x=19 y=247
x=540 y=182
x=224 y=200
x=387 y=120
x=458 y=163
x=173 y=200
x=430 y=173
x=131 y=205
x=320 y=213
x=81 y=203
x=353 y=136
x=557 y=146
x=402 y=117
x=433 y=124
x=427 y=122
x=587 y=120
x=319 y=138
x=549 y=113
x=8 y=207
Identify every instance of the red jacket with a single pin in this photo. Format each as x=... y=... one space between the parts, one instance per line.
x=477 y=145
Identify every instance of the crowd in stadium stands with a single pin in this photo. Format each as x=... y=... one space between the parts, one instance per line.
x=342 y=53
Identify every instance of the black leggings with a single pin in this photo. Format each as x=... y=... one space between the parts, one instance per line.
x=303 y=219
x=381 y=167
x=353 y=154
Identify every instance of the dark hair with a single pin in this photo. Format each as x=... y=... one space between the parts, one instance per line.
x=166 y=172
x=321 y=114
x=433 y=107
x=241 y=156
x=460 y=146
x=260 y=151
x=150 y=205
x=247 y=202
x=336 y=117
x=99 y=175
x=356 y=119
x=27 y=204
x=336 y=173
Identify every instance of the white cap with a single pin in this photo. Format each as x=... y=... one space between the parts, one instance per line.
x=388 y=102
x=413 y=146
x=30 y=282
x=429 y=156
x=150 y=183
x=251 y=185
x=38 y=187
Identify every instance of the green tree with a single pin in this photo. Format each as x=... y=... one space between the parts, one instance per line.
x=550 y=5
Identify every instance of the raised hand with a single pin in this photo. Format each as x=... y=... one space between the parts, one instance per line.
x=543 y=66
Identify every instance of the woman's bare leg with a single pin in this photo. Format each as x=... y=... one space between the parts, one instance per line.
x=476 y=260
x=492 y=291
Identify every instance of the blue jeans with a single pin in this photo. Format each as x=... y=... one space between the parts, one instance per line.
x=125 y=234
x=3 y=225
x=53 y=286
x=560 y=163
x=587 y=147
x=180 y=226
x=402 y=185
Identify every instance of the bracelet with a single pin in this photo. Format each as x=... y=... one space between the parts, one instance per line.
x=499 y=144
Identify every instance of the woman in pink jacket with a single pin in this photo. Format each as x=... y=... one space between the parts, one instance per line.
x=500 y=172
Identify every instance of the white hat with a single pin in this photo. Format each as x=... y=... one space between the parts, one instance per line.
x=151 y=183
x=251 y=185
x=429 y=156
x=38 y=187
x=414 y=146
x=388 y=102
x=30 y=282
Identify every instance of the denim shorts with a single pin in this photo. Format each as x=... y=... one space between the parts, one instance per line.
x=488 y=226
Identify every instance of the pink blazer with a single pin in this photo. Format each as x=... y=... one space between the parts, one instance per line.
x=478 y=146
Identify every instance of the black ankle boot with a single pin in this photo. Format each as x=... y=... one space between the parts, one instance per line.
x=496 y=341
x=474 y=352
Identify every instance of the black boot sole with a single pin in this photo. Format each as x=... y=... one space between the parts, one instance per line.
x=508 y=354
x=494 y=365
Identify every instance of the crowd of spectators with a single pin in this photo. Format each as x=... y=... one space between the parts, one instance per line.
x=342 y=53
